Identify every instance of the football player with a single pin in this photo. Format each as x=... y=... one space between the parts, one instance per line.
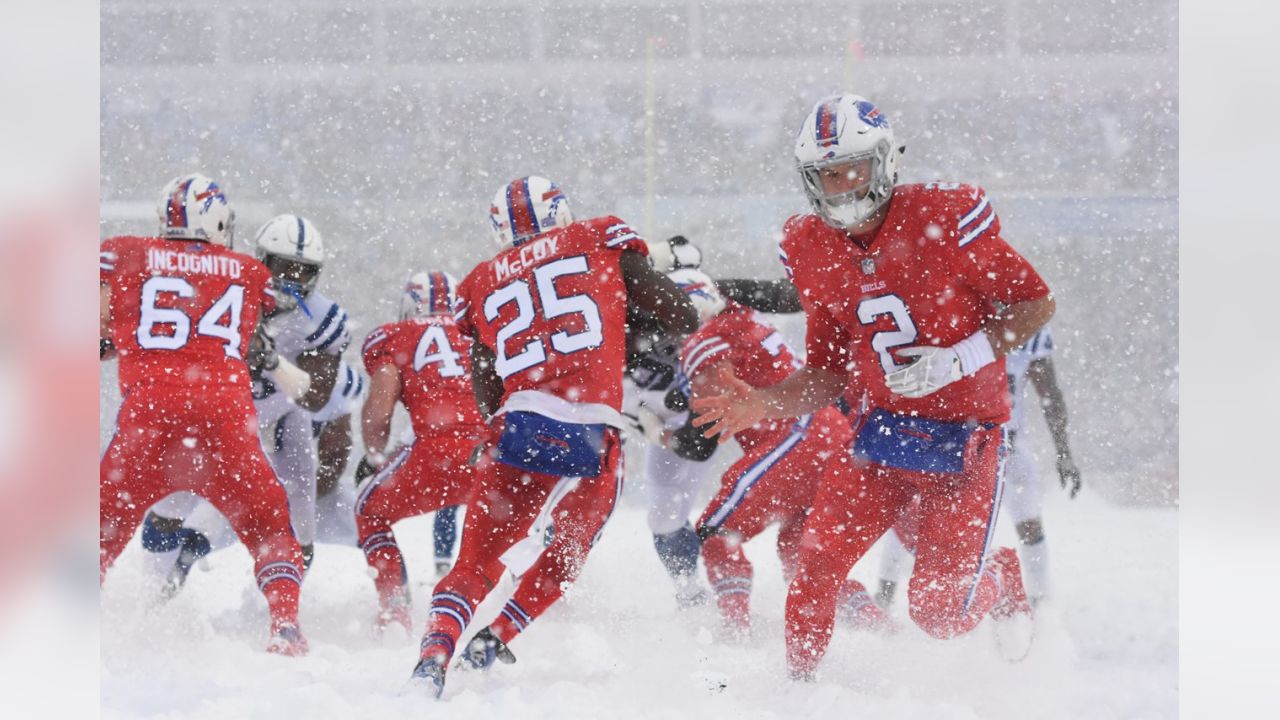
x=784 y=460
x=912 y=300
x=307 y=437
x=1023 y=499
x=424 y=362
x=657 y=405
x=548 y=317
x=180 y=310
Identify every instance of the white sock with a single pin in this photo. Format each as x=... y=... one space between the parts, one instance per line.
x=1035 y=568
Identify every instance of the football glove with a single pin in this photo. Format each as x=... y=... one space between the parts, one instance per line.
x=938 y=367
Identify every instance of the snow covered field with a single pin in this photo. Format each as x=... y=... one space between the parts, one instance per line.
x=617 y=648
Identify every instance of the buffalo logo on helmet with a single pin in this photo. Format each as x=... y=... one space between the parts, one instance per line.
x=871 y=115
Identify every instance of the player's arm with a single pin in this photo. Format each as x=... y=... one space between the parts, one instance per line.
x=771 y=296
x=485 y=381
x=375 y=415
x=333 y=449
x=1045 y=380
x=323 y=370
x=106 y=350
x=1011 y=327
x=734 y=405
x=656 y=294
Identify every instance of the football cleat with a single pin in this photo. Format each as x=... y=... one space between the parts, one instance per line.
x=484 y=649
x=1012 y=613
x=428 y=676
x=287 y=640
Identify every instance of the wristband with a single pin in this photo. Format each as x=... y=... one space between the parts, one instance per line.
x=974 y=352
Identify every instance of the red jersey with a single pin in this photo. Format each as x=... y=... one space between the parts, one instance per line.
x=434 y=360
x=182 y=312
x=759 y=355
x=554 y=311
x=931 y=274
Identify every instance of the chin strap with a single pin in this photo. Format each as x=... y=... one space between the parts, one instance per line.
x=291 y=289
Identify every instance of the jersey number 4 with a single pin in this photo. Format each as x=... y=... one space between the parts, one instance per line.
x=434 y=347
x=231 y=303
x=534 y=351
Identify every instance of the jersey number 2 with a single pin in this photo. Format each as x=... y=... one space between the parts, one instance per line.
x=534 y=352
x=231 y=303
x=885 y=341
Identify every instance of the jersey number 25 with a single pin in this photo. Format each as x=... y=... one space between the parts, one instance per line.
x=533 y=351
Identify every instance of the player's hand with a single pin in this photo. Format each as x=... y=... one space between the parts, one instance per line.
x=650 y=425
x=935 y=368
x=738 y=408
x=1068 y=474
x=367 y=468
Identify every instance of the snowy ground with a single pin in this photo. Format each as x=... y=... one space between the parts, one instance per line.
x=617 y=648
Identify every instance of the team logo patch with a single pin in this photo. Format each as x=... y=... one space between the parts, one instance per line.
x=871 y=115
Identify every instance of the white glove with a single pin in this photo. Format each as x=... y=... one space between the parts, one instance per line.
x=651 y=425
x=293 y=380
x=938 y=367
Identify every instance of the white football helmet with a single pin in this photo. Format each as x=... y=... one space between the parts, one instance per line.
x=527 y=207
x=702 y=292
x=293 y=250
x=847 y=135
x=674 y=253
x=429 y=293
x=192 y=207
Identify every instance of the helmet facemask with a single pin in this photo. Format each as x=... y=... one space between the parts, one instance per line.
x=845 y=202
x=294 y=280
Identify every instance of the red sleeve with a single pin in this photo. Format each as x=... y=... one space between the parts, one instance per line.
x=618 y=235
x=998 y=272
x=986 y=262
x=461 y=311
x=376 y=350
x=108 y=257
x=825 y=340
x=703 y=350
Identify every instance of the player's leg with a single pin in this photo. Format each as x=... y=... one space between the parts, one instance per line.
x=130 y=479
x=293 y=457
x=673 y=482
x=500 y=508
x=898 y=552
x=753 y=492
x=444 y=534
x=246 y=491
x=163 y=533
x=854 y=506
x=1023 y=502
x=579 y=520
x=954 y=586
x=428 y=475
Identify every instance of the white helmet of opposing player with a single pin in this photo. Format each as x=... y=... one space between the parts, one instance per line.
x=525 y=208
x=848 y=159
x=192 y=207
x=429 y=293
x=702 y=292
x=293 y=250
x=674 y=253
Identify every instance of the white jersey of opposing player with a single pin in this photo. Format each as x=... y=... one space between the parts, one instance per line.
x=320 y=325
x=651 y=378
x=1016 y=364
